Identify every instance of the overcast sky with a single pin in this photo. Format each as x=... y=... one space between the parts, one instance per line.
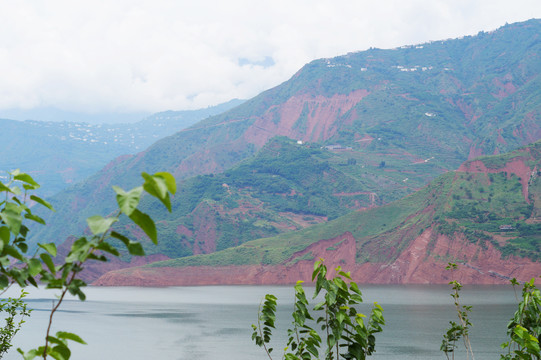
x=139 y=55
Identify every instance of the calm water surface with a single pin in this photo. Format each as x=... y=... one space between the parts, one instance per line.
x=213 y=322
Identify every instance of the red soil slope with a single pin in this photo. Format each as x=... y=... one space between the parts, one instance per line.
x=413 y=266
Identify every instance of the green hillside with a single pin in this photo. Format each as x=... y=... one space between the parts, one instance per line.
x=477 y=206
x=286 y=186
x=393 y=120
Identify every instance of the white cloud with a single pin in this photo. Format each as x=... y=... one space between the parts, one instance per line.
x=128 y=55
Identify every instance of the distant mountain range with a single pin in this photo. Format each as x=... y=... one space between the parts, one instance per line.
x=49 y=113
x=58 y=154
x=365 y=129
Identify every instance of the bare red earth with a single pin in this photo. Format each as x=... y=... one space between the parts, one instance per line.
x=413 y=266
x=318 y=125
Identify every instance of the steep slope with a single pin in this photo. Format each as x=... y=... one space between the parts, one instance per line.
x=485 y=216
x=286 y=186
x=415 y=112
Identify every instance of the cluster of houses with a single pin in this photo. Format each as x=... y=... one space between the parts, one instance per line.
x=337 y=147
x=506 y=227
x=415 y=68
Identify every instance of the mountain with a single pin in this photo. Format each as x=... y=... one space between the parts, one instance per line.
x=486 y=216
x=50 y=113
x=403 y=116
x=58 y=154
x=287 y=185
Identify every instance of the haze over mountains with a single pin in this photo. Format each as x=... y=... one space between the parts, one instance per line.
x=60 y=153
x=375 y=126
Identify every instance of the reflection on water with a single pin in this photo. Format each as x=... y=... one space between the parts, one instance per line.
x=213 y=322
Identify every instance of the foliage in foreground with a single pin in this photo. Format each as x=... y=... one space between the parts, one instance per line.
x=16 y=310
x=16 y=267
x=344 y=334
x=457 y=330
x=524 y=329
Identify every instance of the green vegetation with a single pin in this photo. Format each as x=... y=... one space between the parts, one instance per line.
x=47 y=266
x=453 y=101
x=266 y=196
x=344 y=334
x=460 y=330
x=16 y=310
x=483 y=206
x=524 y=329
x=461 y=205
x=365 y=226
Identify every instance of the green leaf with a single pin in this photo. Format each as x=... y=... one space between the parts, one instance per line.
x=353 y=286
x=49 y=247
x=35 y=218
x=46 y=258
x=42 y=202
x=99 y=225
x=70 y=336
x=60 y=352
x=13 y=252
x=30 y=187
x=340 y=283
x=34 y=267
x=75 y=288
x=34 y=353
x=170 y=181
x=340 y=316
x=146 y=223
x=128 y=201
x=4 y=236
x=3 y=187
x=93 y=256
x=120 y=237
x=13 y=220
x=104 y=246
x=135 y=248
x=22 y=246
x=154 y=185
x=157 y=187
x=25 y=178
x=4 y=282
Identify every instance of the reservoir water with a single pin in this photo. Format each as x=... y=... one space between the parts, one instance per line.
x=213 y=322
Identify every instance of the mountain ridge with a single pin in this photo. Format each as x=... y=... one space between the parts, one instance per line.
x=417 y=112
x=408 y=241
x=59 y=154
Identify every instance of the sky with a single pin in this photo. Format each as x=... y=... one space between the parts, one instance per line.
x=142 y=56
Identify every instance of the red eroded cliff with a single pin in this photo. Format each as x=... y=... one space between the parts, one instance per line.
x=414 y=266
x=304 y=117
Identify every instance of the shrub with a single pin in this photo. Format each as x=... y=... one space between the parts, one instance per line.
x=17 y=267
x=343 y=328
